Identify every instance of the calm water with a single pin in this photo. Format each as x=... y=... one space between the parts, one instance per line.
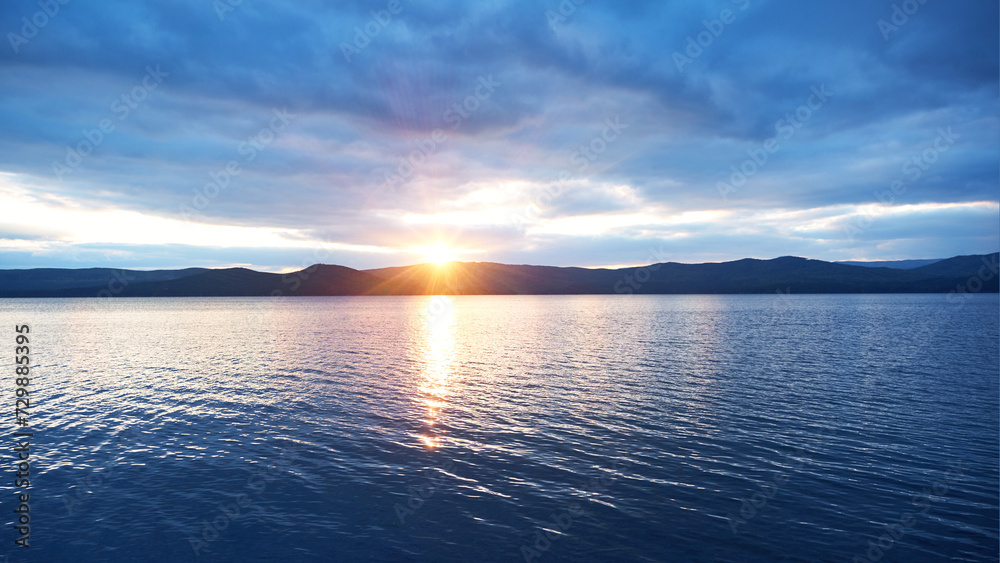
x=558 y=428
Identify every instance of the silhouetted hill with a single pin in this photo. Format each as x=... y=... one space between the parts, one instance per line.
x=797 y=275
x=961 y=266
x=899 y=264
x=322 y=279
x=42 y=279
x=489 y=278
x=195 y=282
x=205 y=283
x=785 y=274
x=237 y=282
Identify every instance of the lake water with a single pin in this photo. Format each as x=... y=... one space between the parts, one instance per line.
x=539 y=428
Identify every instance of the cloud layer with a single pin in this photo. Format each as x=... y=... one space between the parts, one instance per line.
x=270 y=134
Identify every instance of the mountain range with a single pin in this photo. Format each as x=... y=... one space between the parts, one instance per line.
x=975 y=273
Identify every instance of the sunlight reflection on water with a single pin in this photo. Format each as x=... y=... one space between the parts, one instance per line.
x=438 y=345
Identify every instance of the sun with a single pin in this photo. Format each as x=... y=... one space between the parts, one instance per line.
x=437 y=254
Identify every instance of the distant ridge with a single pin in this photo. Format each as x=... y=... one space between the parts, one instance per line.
x=899 y=264
x=38 y=279
x=785 y=274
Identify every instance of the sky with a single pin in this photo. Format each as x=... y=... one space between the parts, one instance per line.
x=274 y=135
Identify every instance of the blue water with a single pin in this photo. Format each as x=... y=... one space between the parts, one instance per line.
x=550 y=428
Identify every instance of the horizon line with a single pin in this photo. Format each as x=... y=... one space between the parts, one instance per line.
x=605 y=267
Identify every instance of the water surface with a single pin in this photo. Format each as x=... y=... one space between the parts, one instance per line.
x=498 y=428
